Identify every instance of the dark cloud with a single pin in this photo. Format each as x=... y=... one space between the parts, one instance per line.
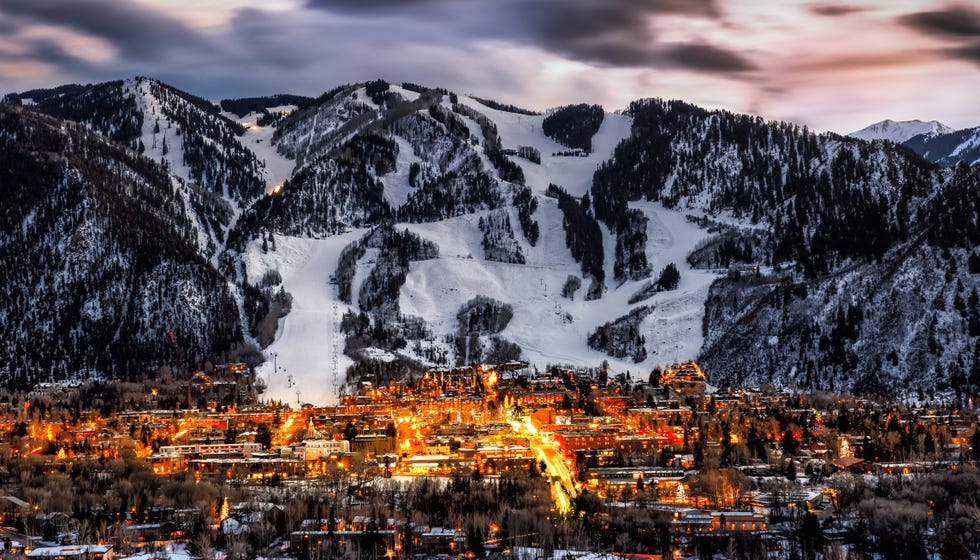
x=611 y=33
x=956 y=22
x=835 y=10
x=371 y=6
x=136 y=30
x=608 y=33
x=970 y=52
x=52 y=53
x=703 y=57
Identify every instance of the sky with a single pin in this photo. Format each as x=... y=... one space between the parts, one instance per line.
x=830 y=65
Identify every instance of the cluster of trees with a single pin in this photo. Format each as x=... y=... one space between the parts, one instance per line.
x=583 y=236
x=244 y=105
x=379 y=292
x=621 y=338
x=631 y=252
x=953 y=213
x=107 y=107
x=451 y=194
x=571 y=285
x=492 y=146
x=526 y=204
x=505 y=107
x=727 y=249
x=376 y=90
x=484 y=317
x=454 y=125
x=499 y=243
x=669 y=278
x=574 y=125
x=347 y=268
x=326 y=197
x=211 y=150
x=451 y=180
x=264 y=304
x=529 y=153
x=412 y=86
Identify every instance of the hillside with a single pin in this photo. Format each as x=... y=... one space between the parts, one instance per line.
x=100 y=260
x=950 y=148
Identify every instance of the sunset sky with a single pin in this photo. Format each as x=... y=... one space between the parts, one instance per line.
x=828 y=65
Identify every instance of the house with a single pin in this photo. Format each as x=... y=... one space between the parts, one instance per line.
x=73 y=552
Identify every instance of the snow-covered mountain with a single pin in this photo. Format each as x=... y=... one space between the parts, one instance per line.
x=390 y=228
x=950 y=148
x=102 y=269
x=900 y=131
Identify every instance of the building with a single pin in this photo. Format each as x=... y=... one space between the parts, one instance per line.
x=314 y=449
x=73 y=552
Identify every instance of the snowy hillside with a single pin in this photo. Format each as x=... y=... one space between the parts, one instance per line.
x=551 y=328
x=573 y=173
x=949 y=149
x=100 y=259
x=900 y=131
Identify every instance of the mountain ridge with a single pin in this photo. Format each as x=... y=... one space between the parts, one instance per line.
x=900 y=131
x=712 y=192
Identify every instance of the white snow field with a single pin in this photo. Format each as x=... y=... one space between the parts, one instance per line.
x=435 y=289
x=308 y=348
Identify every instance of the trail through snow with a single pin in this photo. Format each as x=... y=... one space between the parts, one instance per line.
x=309 y=349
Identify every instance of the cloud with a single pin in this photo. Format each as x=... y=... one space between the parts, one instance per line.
x=51 y=52
x=371 y=6
x=137 y=30
x=969 y=53
x=707 y=58
x=605 y=33
x=956 y=22
x=835 y=10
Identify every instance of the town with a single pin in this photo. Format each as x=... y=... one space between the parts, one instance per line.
x=499 y=461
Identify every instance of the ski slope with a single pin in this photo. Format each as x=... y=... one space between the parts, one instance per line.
x=258 y=139
x=572 y=173
x=306 y=361
x=549 y=328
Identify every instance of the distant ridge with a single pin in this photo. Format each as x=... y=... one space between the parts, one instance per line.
x=900 y=131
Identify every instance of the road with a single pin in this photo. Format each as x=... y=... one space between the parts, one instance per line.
x=563 y=486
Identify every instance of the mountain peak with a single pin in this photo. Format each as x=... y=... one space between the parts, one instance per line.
x=900 y=131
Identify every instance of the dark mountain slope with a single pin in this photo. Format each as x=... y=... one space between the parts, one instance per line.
x=99 y=258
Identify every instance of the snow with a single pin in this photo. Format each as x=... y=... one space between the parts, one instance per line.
x=967 y=144
x=673 y=330
x=308 y=348
x=174 y=159
x=153 y=143
x=408 y=94
x=258 y=139
x=435 y=289
x=170 y=551
x=549 y=328
x=397 y=188
x=900 y=131
x=574 y=174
